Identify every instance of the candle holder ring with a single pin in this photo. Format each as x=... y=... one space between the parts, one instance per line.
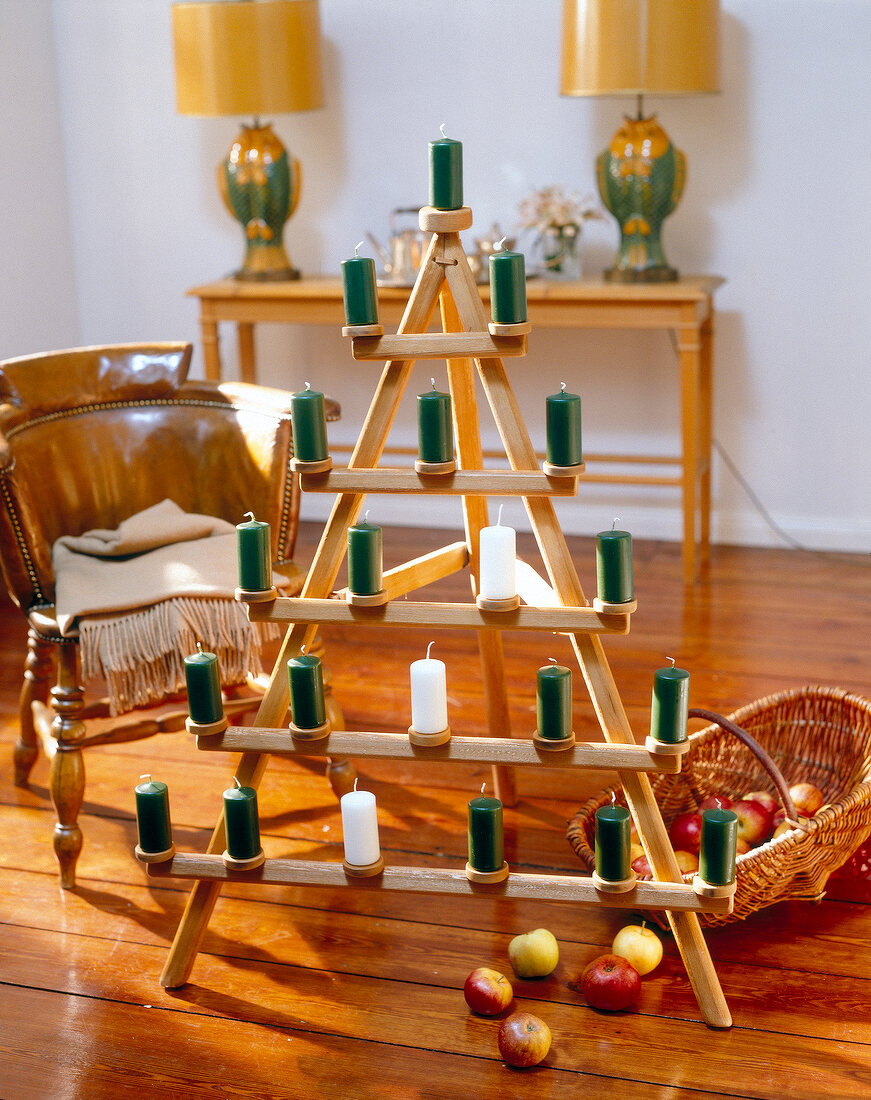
x=550 y=470
x=313 y=733
x=713 y=890
x=363 y=330
x=604 y=607
x=433 y=220
x=429 y=740
x=553 y=744
x=155 y=857
x=511 y=603
x=364 y=870
x=206 y=729
x=317 y=466
x=253 y=595
x=614 y=886
x=437 y=468
x=509 y=328
x=666 y=748
x=249 y=864
x=373 y=599
x=487 y=878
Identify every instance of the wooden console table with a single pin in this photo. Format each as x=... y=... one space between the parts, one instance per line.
x=684 y=307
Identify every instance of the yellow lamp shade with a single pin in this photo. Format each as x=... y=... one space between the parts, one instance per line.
x=249 y=58
x=640 y=47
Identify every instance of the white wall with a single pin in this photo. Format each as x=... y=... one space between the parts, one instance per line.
x=779 y=165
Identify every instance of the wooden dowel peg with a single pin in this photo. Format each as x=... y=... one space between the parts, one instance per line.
x=206 y=729
x=606 y=608
x=429 y=740
x=615 y=886
x=373 y=599
x=363 y=330
x=249 y=864
x=155 y=857
x=710 y=890
x=264 y=595
x=553 y=744
x=318 y=466
x=510 y=603
x=315 y=733
x=487 y=878
x=549 y=470
x=368 y=870
x=666 y=748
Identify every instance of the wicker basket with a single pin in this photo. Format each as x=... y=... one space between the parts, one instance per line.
x=812 y=734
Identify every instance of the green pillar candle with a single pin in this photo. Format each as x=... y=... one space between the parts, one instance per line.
x=435 y=430
x=203 y=679
x=306 y=692
x=241 y=822
x=152 y=815
x=563 y=420
x=254 y=554
x=553 y=702
x=485 y=834
x=507 y=288
x=614 y=566
x=719 y=847
x=365 y=559
x=309 y=423
x=446 y=173
x=358 y=290
x=612 y=843
x=670 y=705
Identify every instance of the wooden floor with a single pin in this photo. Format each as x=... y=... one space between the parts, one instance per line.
x=304 y=992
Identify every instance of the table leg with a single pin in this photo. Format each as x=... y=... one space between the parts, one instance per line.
x=247 y=362
x=211 y=348
x=706 y=338
x=689 y=351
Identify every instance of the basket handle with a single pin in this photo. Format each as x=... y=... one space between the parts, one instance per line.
x=763 y=757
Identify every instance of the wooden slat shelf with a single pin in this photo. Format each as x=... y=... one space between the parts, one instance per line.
x=559 y=620
x=396 y=746
x=485 y=483
x=675 y=896
x=438 y=345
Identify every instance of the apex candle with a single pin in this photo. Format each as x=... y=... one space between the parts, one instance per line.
x=563 y=427
x=359 y=292
x=446 y=173
x=308 y=420
x=306 y=679
x=365 y=559
x=670 y=705
x=719 y=847
x=507 y=287
x=435 y=430
x=360 y=828
x=498 y=556
x=242 y=822
x=429 y=696
x=152 y=815
x=203 y=680
x=553 y=702
x=612 y=843
x=614 y=566
x=254 y=554
x=486 y=840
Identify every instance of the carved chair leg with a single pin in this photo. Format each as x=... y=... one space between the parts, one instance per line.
x=67 y=785
x=37 y=676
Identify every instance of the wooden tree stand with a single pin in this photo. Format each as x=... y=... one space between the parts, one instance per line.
x=467 y=341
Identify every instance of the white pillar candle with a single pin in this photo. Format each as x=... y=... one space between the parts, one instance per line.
x=498 y=555
x=429 y=695
x=360 y=828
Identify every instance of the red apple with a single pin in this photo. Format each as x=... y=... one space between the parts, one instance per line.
x=685 y=831
x=687 y=861
x=524 y=1039
x=741 y=847
x=487 y=991
x=766 y=798
x=784 y=827
x=755 y=821
x=641 y=867
x=807 y=798
x=611 y=982
x=716 y=802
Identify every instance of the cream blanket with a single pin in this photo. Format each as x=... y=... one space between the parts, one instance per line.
x=142 y=596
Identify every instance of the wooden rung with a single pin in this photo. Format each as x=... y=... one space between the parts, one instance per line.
x=482 y=483
x=559 y=620
x=426 y=569
x=484 y=750
x=438 y=345
x=676 y=896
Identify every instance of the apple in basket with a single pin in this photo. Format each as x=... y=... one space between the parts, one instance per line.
x=755 y=821
x=807 y=798
x=687 y=861
x=785 y=827
x=765 y=798
x=685 y=832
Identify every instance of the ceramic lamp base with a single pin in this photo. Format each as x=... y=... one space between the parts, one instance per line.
x=427 y=740
x=316 y=733
x=485 y=878
x=249 y=595
x=422 y=467
x=206 y=729
x=375 y=599
x=553 y=744
x=155 y=857
x=710 y=890
x=433 y=220
x=367 y=870
x=318 y=466
x=234 y=864
x=604 y=607
x=614 y=886
x=509 y=604
x=363 y=330
x=550 y=470
x=666 y=748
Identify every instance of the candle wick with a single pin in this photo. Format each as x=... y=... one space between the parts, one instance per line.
x=356 y=781
x=432 y=380
x=302 y=650
x=428 y=648
x=553 y=659
x=499 y=517
x=672 y=661
x=614 y=522
x=308 y=385
x=146 y=776
x=366 y=516
x=357 y=248
x=442 y=130
x=483 y=785
x=200 y=646
x=236 y=781
x=613 y=797
x=501 y=244
x=250 y=515
x=562 y=387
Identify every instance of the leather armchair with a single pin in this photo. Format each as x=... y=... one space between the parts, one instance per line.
x=88 y=437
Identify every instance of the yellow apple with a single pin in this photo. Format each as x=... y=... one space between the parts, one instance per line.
x=534 y=954
x=641 y=946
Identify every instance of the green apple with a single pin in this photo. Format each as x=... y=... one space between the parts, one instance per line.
x=534 y=954
x=640 y=946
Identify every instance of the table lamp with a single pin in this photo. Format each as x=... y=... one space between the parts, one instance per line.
x=252 y=57
x=640 y=47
